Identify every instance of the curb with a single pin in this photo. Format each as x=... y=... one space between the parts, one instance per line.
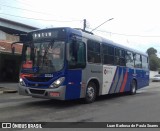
x=10 y=91
x=1 y=90
x=5 y=90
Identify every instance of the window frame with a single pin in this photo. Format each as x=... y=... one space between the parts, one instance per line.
x=108 y=55
x=137 y=63
x=131 y=62
x=69 y=55
x=95 y=58
x=145 y=63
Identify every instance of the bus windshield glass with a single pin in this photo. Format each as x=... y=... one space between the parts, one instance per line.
x=43 y=57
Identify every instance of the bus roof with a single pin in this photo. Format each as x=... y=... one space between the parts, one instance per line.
x=91 y=36
x=107 y=41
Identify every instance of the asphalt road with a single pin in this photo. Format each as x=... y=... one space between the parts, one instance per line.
x=142 y=107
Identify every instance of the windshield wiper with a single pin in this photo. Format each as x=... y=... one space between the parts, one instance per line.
x=46 y=51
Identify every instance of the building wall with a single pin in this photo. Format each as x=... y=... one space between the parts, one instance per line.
x=8 y=37
x=9 y=63
x=9 y=67
x=2 y=35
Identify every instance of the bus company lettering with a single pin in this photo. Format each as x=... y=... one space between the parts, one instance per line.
x=107 y=71
x=94 y=71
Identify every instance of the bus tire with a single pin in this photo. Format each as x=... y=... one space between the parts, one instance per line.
x=90 y=93
x=133 y=87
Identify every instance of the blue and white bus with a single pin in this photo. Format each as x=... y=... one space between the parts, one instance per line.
x=66 y=63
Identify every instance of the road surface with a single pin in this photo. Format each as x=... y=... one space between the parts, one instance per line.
x=142 y=107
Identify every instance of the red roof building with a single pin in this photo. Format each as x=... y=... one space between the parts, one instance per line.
x=6 y=47
x=11 y=31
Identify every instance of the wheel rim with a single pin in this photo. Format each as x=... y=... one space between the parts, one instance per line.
x=90 y=92
x=133 y=88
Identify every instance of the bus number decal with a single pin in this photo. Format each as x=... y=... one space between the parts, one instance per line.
x=48 y=75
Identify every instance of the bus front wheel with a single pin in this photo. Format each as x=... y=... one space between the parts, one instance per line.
x=133 y=87
x=90 y=93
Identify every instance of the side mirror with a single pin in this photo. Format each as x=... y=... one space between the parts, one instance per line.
x=13 y=50
x=70 y=48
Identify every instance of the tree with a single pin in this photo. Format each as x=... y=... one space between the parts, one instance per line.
x=151 y=51
x=154 y=61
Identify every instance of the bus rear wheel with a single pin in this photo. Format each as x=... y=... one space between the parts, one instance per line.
x=90 y=93
x=133 y=87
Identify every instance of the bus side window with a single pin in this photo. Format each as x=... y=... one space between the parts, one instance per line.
x=144 y=62
x=93 y=52
x=129 y=59
x=122 y=58
x=117 y=56
x=108 y=54
x=76 y=55
x=138 y=61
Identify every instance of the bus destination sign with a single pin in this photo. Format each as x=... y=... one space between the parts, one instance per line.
x=48 y=34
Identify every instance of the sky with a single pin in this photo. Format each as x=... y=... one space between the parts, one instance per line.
x=135 y=24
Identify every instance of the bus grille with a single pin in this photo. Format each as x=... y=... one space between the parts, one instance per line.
x=36 y=85
x=38 y=79
x=33 y=91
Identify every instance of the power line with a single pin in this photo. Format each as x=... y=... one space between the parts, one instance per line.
x=23 y=3
x=126 y=34
x=25 y=9
x=35 y=12
x=21 y=9
x=38 y=18
x=66 y=21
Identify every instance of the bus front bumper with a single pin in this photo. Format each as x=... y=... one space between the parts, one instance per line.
x=55 y=93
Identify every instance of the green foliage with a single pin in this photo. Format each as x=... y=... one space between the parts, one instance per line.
x=151 y=51
x=154 y=61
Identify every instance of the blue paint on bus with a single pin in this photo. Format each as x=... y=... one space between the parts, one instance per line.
x=73 y=86
x=70 y=88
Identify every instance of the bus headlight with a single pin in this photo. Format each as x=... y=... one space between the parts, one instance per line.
x=57 y=82
x=21 y=82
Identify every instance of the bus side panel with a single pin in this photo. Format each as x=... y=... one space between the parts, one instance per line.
x=129 y=73
x=73 y=87
x=143 y=78
x=110 y=78
x=139 y=78
x=92 y=71
x=121 y=80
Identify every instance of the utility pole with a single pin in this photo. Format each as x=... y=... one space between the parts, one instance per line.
x=84 y=24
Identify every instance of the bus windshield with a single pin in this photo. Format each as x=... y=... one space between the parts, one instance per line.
x=43 y=57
